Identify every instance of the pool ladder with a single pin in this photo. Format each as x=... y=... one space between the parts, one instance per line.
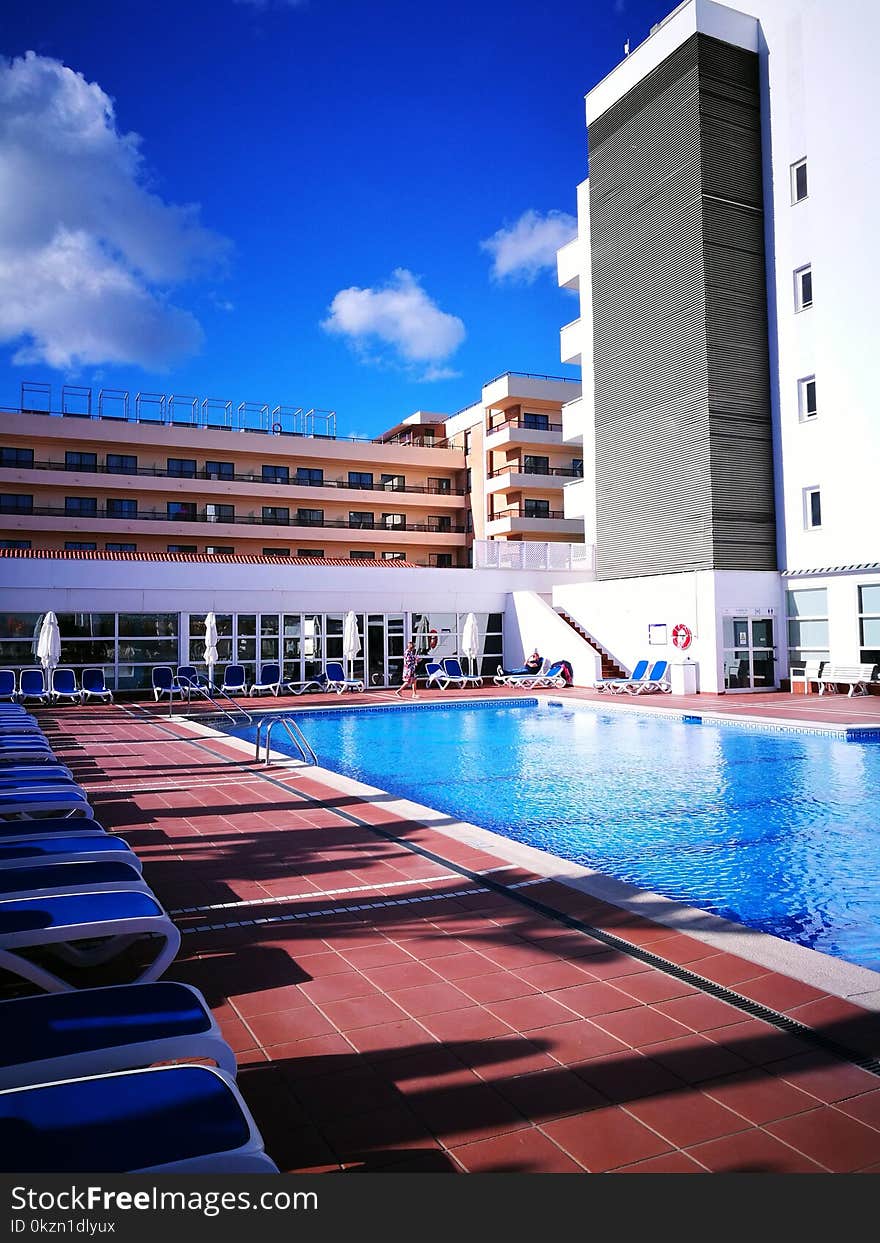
x=213 y=695
x=294 y=733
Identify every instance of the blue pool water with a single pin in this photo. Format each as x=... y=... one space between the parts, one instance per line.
x=779 y=831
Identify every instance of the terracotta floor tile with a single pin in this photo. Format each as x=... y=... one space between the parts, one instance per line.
x=237 y=1035
x=758 y=1042
x=627 y=1076
x=394 y=1127
x=531 y=1013
x=462 y=966
x=472 y=1023
x=381 y=955
x=612 y=965
x=641 y=1026
x=550 y=1094
x=669 y=1163
x=340 y=987
x=520 y=1152
x=759 y=1097
x=824 y=1077
x=780 y=992
x=550 y=977
x=497 y=986
x=401 y=975
x=362 y=1012
x=389 y=1039
x=700 y=1012
x=831 y=1138
x=695 y=1057
x=268 y=1000
x=285 y=1025
x=653 y=986
x=752 y=1152
x=597 y=997
x=466 y=1113
x=866 y=1108
x=349 y=1092
x=314 y=1056
x=433 y=998
x=687 y=1117
x=505 y=1057
x=577 y=1042
x=605 y=1139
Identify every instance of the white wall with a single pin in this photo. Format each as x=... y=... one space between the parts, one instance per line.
x=844 y=638
x=618 y=614
x=530 y=622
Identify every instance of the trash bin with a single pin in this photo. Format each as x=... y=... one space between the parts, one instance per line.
x=683 y=678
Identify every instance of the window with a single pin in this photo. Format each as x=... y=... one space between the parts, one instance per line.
x=122 y=463
x=799 y=181
x=276 y=552
x=121 y=547
x=536 y=465
x=467 y=480
x=577 y=467
x=219 y=470
x=807 y=625
x=807 y=408
x=312 y=476
x=16 y=503
x=182 y=467
x=310 y=517
x=310 y=552
x=181 y=511
x=439 y=522
x=86 y=505
x=276 y=474
x=394 y=483
x=118 y=508
x=360 y=518
x=812 y=508
x=442 y=560
x=390 y=521
x=803 y=288
x=220 y=513
x=279 y=515
x=361 y=479
x=75 y=545
x=15 y=543
x=80 y=461
x=537 y=422
x=16 y=457
x=536 y=509
x=393 y=556
x=358 y=554
x=439 y=485
x=190 y=548
x=869 y=623
x=220 y=550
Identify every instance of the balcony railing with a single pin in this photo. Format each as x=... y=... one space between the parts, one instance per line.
x=518 y=420
x=520 y=511
x=159 y=472
x=152 y=515
x=517 y=468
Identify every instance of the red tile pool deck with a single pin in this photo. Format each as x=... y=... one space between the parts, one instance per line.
x=392 y=1014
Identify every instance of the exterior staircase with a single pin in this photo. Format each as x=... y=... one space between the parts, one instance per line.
x=610 y=667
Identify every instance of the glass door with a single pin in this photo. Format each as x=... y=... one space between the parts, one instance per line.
x=749 y=654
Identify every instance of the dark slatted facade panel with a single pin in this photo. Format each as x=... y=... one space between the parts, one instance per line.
x=679 y=311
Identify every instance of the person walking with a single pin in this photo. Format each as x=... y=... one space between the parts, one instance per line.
x=410 y=663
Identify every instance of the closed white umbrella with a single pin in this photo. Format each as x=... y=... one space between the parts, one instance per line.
x=422 y=637
x=470 y=639
x=211 y=644
x=351 y=640
x=38 y=626
x=49 y=643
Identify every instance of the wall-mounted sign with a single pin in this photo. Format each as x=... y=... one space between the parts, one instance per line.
x=657 y=634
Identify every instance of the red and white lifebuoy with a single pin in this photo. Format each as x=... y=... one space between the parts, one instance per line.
x=277 y=429
x=432 y=639
x=681 y=636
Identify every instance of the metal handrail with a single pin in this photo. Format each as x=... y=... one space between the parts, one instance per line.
x=190 y=686
x=294 y=733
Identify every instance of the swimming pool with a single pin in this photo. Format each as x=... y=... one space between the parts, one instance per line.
x=776 y=830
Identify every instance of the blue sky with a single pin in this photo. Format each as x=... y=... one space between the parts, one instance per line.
x=324 y=204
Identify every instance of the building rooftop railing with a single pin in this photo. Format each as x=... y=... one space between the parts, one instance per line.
x=159 y=472
x=532 y=375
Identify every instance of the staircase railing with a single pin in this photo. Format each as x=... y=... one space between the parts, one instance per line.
x=294 y=733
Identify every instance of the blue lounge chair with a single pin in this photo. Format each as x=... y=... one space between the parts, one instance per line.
x=435 y=675
x=269 y=680
x=616 y=685
x=317 y=683
x=76 y=877
x=7 y=684
x=556 y=675
x=165 y=683
x=94 y=686
x=85 y=848
x=337 y=680
x=9 y=772
x=32 y=800
x=98 y=1030
x=32 y=685
x=48 y=827
x=159 y=1120
x=57 y=923
x=234 y=680
x=655 y=680
x=525 y=678
x=453 y=672
x=63 y=686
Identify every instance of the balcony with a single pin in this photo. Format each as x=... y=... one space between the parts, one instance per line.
x=521 y=430
x=573 y=415
x=518 y=521
x=575 y=499
x=568 y=264
x=514 y=475
x=570 y=343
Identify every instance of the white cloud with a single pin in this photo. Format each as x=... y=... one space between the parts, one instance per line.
x=522 y=250
x=396 y=322
x=87 y=249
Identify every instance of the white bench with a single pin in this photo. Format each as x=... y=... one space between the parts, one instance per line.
x=807 y=675
x=855 y=676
